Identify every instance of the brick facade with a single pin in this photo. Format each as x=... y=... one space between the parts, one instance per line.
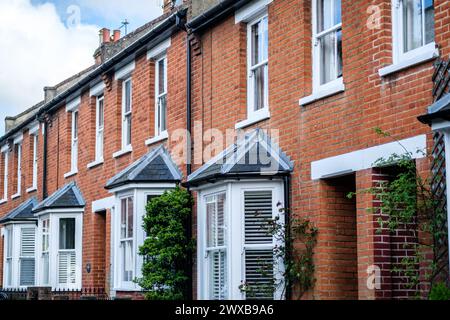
x=348 y=242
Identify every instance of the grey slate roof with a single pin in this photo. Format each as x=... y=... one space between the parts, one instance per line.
x=255 y=155
x=24 y=212
x=156 y=166
x=438 y=110
x=67 y=197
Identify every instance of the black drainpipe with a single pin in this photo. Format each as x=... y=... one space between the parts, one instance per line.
x=287 y=204
x=189 y=261
x=44 y=169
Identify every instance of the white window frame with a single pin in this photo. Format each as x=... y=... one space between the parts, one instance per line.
x=54 y=216
x=99 y=129
x=317 y=67
x=125 y=127
x=18 y=151
x=234 y=216
x=398 y=36
x=15 y=258
x=34 y=169
x=139 y=194
x=158 y=95
x=5 y=176
x=74 y=145
x=45 y=237
x=263 y=113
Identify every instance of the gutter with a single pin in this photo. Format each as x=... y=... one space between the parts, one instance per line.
x=215 y=14
x=105 y=67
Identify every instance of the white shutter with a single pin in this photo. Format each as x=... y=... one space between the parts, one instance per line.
x=217 y=247
x=27 y=258
x=259 y=261
x=66 y=267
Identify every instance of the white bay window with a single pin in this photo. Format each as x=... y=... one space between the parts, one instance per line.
x=236 y=252
x=19 y=257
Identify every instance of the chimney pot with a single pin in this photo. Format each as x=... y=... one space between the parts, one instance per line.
x=105 y=36
x=116 y=36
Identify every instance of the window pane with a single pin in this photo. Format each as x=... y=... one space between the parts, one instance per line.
x=100 y=113
x=127 y=96
x=46 y=267
x=218 y=280
x=128 y=141
x=339 y=53
x=75 y=125
x=130 y=217
x=162 y=105
x=27 y=271
x=9 y=242
x=67 y=234
x=327 y=58
x=412 y=24
x=429 y=21
x=127 y=261
x=216 y=225
x=260 y=83
x=255 y=44
x=161 y=76
x=123 y=219
x=325 y=15
x=337 y=12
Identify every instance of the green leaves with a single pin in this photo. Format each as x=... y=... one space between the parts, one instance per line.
x=166 y=248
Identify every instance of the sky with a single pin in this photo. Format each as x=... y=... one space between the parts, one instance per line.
x=43 y=42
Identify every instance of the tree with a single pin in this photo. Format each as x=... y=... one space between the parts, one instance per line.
x=166 y=248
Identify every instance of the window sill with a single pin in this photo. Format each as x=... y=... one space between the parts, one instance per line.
x=94 y=164
x=163 y=136
x=122 y=152
x=253 y=119
x=70 y=174
x=15 y=196
x=424 y=55
x=330 y=90
x=32 y=189
x=3 y=201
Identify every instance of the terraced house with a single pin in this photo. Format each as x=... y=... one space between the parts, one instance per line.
x=253 y=105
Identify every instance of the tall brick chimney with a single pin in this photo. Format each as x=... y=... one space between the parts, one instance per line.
x=116 y=35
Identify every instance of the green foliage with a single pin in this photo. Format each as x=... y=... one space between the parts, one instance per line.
x=440 y=291
x=166 y=248
x=407 y=201
x=298 y=260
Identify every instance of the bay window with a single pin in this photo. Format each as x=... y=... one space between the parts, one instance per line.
x=327 y=42
x=236 y=254
x=258 y=67
x=161 y=96
x=19 y=257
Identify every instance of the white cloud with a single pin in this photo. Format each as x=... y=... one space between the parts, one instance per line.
x=38 y=50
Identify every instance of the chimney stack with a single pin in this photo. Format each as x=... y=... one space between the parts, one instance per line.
x=116 y=35
x=105 y=36
x=49 y=93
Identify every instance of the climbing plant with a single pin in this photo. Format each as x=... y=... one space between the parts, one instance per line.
x=298 y=261
x=166 y=248
x=407 y=201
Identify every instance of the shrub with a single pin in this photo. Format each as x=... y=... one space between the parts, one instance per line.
x=166 y=248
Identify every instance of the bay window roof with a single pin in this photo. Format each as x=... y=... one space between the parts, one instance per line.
x=22 y=213
x=67 y=197
x=253 y=156
x=439 y=110
x=156 y=166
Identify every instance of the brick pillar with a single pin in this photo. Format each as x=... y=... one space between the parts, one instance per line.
x=1 y=260
x=107 y=261
x=373 y=246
